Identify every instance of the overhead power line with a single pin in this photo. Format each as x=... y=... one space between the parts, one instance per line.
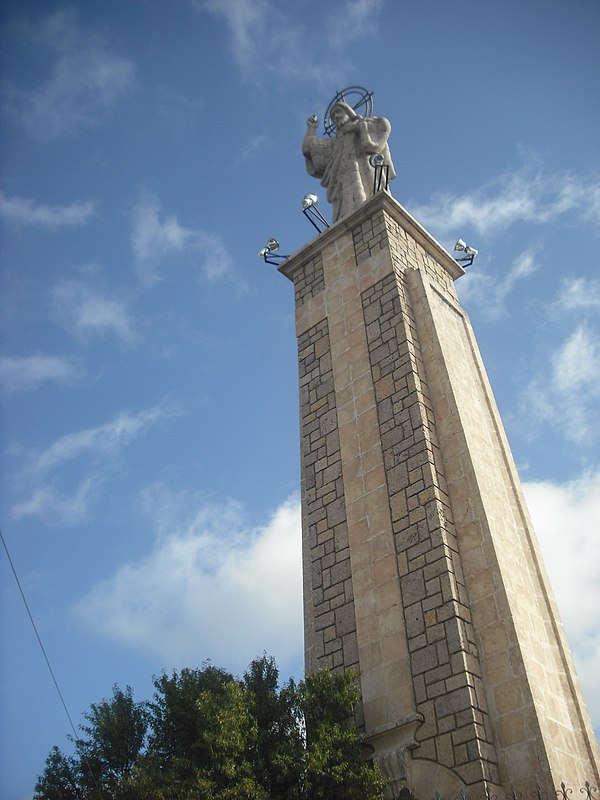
x=45 y=654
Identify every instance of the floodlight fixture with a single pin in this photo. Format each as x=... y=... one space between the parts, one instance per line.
x=309 y=200
x=268 y=255
x=376 y=159
x=381 y=176
x=312 y=213
x=470 y=253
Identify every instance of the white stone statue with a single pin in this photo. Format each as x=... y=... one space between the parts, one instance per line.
x=342 y=162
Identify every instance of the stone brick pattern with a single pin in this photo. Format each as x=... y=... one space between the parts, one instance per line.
x=407 y=253
x=383 y=232
x=443 y=655
x=369 y=236
x=331 y=635
x=539 y=716
x=417 y=551
x=310 y=282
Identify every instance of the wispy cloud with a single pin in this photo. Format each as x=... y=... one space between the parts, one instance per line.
x=244 y=19
x=106 y=439
x=579 y=294
x=56 y=508
x=30 y=372
x=253 y=145
x=214 y=587
x=85 y=81
x=83 y=307
x=489 y=293
x=521 y=196
x=60 y=494
x=356 y=19
x=268 y=41
x=24 y=211
x=566 y=396
x=155 y=237
x=576 y=365
x=566 y=520
x=178 y=110
x=151 y=238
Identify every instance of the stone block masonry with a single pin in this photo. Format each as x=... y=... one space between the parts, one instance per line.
x=439 y=635
x=421 y=570
x=328 y=594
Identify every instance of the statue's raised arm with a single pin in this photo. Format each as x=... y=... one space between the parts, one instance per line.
x=342 y=162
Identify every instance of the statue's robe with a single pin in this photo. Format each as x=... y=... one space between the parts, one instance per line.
x=342 y=163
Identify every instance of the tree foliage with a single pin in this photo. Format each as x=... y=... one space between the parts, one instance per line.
x=209 y=735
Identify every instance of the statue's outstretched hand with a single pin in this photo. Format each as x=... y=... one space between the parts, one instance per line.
x=312 y=123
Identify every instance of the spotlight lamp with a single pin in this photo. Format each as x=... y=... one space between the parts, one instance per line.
x=381 y=176
x=268 y=255
x=470 y=253
x=309 y=200
x=312 y=213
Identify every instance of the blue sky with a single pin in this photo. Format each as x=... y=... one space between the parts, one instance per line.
x=150 y=453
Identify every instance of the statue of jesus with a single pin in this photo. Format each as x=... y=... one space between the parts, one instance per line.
x=342 y=163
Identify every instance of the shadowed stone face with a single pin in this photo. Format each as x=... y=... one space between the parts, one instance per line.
x=339 y=116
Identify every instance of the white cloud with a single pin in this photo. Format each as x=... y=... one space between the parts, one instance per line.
x=213 y=588
x=489 y=292
x=252 y=146
x=579 y=294
x=97 y=448
x=154 y=238
x=576 y=365
x=566 y=518
x=81 y=307
x=56 y=508
x=85 y=80
x=108 y=438
x=245 y=18
x=520 y=196
x=178 y=110
x=268 y=42
x=21 y=374
x=355 y=19
x=24 y=211
x=566 y=396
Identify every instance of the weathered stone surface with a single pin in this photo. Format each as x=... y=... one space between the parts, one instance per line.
x=417 y=547
x=342 y=162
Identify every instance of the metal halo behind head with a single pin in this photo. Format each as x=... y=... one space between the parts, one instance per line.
x=357 y=97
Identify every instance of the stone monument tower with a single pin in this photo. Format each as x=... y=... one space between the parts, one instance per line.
x=421 y=568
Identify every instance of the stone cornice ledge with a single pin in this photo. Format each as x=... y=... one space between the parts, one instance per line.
x=382 y=201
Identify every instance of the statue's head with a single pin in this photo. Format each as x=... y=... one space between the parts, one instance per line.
x=342 y=113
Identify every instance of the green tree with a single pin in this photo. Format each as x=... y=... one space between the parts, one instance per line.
x=59 y=779
x=230 y=735
x=210 y=736
x=277 y=753
x=105 y=758
x=334 y=763
x=116 y=732
x=178 y=752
